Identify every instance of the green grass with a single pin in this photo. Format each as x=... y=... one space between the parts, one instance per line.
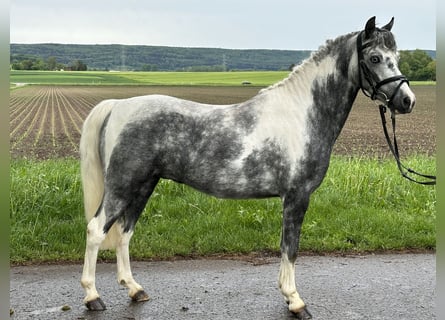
x=257 y=78
x=362 y=205
x=422 y=83
x=71 y=78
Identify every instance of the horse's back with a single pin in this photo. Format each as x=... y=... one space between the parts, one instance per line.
x=144 y=106
x=196 y=144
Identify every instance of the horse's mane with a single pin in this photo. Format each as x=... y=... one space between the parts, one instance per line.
x=330 y=47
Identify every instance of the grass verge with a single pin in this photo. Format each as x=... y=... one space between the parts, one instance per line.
x=236 y=78
x=362 y=205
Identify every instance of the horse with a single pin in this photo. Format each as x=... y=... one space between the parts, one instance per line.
x=276 y=144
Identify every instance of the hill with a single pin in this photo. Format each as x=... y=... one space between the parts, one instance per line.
x=431 y=53
x=159 y=58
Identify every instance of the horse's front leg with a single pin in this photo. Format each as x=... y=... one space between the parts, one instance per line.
x=294 y=208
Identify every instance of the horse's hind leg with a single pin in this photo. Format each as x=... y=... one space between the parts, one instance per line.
x=120 y=207
x=134 y=199
x=124 y=274
x=95 y=236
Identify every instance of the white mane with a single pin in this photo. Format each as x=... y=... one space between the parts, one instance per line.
x=324 y=50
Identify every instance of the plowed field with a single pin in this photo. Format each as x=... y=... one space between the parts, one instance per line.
x=45 y=121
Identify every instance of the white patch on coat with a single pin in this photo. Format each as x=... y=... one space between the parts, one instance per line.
x=283 y=113
x=286 y=283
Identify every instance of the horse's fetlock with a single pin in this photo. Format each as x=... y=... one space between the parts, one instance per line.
x=86 y=284
x=296 y=304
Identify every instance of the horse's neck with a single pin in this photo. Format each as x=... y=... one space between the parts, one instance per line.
x=324 y=87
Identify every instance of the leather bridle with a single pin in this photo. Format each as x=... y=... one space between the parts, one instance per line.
x=375 y=85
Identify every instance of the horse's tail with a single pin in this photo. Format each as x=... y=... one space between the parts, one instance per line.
x=91 y=166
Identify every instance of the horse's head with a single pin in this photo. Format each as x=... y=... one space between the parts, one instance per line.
x=380 y=77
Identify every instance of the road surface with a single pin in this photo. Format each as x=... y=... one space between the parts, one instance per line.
x=393 y=286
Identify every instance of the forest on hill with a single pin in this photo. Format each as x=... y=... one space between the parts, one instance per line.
x=157 y=58
x=415 y=64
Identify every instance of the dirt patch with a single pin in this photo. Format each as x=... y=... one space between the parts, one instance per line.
x=416 y=132
x=45 y=121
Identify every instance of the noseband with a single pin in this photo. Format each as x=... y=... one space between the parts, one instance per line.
x=375 y=84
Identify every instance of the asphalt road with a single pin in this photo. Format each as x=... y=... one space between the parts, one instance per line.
x=357 y=287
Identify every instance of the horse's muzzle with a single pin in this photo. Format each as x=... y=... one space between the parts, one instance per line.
x=404 y=101
x=407 y=104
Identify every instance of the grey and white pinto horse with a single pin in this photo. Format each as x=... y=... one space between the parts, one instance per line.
x=277 y=144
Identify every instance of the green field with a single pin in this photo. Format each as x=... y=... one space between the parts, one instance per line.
x=363 y=205
x=256 y=78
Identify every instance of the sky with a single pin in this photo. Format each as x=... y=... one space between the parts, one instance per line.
x=232 y=24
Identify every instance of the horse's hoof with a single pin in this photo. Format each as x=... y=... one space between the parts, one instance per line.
x=96 y=305
x=140 y=296
x=303 y=314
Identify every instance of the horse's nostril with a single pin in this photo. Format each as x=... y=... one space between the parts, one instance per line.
x=407 y=102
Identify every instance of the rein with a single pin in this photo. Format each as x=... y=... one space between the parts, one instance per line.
x=367 y=74
x=431 y=180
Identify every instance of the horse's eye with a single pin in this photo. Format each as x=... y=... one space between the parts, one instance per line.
x=375 y=59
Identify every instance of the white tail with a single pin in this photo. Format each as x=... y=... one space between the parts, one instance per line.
x=91 y=167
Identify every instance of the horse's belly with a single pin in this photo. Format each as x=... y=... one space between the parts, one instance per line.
x=230 y=179
x=232 y=189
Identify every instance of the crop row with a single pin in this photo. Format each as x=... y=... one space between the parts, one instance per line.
x=46 y=121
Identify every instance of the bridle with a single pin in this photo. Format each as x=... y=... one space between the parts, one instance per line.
x=375 y=85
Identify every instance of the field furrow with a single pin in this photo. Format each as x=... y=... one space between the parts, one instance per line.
x=74 y=119
x=65 y=126
x=77 y=110
x=42 y=127
x=46 y=121
x=22 y=132
x=84 y=100
x=53 y=120
x=22 y=108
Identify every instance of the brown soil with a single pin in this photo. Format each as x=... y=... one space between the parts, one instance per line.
x=55 y=133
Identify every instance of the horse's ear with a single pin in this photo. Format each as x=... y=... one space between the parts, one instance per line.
x=370 y=27
x=389 y=25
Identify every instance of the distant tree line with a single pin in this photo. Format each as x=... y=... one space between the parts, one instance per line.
x=160 y=58
x=22 y=62
x=416 y=64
